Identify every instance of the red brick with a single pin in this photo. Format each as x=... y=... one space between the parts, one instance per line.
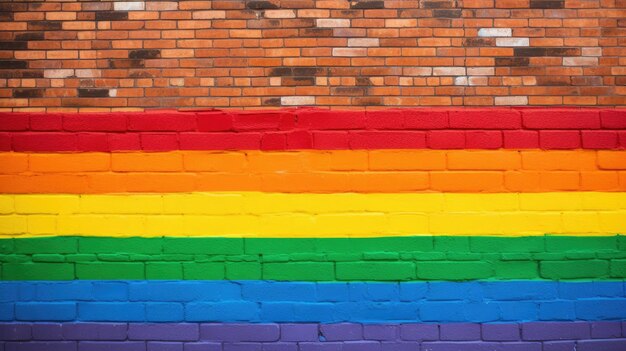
x=521 y=139
x=5 y=142
x=385 y=119
x=299 y=139
x=46 y=121
x=273 y=141
x=483 y=139
x=93 y=142
x=600 y=139
x=159 y=141
x=425 y=119
x=244 y=121
x=13 y=121
x=162 y=121
x=44 y=141
x=217 y=121
x=485 y=119
x=220 y=141
x=388 y=140
x=559 y=139
x=327 y=119
x=331 y=140
x=446 y=139
x=561 y=119
x=96 y=122
x=614 y=119
x=124 y=141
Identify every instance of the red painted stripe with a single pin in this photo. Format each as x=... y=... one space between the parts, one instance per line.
x=316 y=129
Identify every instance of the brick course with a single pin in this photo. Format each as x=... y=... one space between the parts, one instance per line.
x=118 y=55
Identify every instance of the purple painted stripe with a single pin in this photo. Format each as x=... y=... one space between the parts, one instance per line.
x=536 y=336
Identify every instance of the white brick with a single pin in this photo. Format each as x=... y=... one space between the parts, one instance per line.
x=495 y=32
x=512 y=42
x=511 y=100
x=297 y=100
x=112 y=92
x=417 y=71
x=333 y=23
x=129 y=6
x=363 y=42
x=280 y=14
x=592 y=51
x=88 y=73
x=478 y=81
x=481 y=71
x=580 y=61
x=349 y=52
x=209 y=14
x=58 y=73
x=449 y=71
x=460 y=80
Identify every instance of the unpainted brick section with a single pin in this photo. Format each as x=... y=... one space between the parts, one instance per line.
x=172 y=54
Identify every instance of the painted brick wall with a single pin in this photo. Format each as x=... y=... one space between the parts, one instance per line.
x=307 y=229
x=83 y=55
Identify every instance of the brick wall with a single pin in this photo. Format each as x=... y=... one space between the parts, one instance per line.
x=107 y=55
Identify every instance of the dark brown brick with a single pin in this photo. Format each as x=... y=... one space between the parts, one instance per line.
x=367 y=100
x=28 y=93
x=44 y=25
x=111 y=16
x=448 y=13
x=512 y=61
x=367 y=4
x=547 y=4
x=316 y=32
x=261 y=5
x=27 y=36
x=4 y=64
x=347 y=91
x=144 y=54
x=13 y=6
x=528 y=52
x=295 y=71
x=363 y=81
x=126 y=63
x=479 y=42
x=563 y=52
x=93 y=92
x=553 y=80
x=298 y=81
x=271 y=101
x=17 y=73
x=13 y=45
x=445 y=4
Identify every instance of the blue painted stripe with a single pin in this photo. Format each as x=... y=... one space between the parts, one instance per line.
x=269 y=302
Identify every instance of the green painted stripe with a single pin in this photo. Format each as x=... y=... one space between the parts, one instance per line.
x=343 y=259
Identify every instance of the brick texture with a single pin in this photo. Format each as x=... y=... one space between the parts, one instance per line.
x=133 y=55
x=377 y=259
x=303 y=337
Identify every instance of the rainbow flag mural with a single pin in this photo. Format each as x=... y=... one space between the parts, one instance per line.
x=314 y=230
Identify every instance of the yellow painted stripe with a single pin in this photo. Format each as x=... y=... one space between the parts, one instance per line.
x=249 y=214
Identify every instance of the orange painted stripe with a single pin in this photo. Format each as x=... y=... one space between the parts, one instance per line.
x=315 y=171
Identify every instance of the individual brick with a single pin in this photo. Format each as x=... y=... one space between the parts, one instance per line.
x=485 y=119
x=164 y=332
x=375 y=270
x=561 y=119
x=240 y=332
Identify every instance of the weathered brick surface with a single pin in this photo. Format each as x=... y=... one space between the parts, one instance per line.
x=121 y=55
